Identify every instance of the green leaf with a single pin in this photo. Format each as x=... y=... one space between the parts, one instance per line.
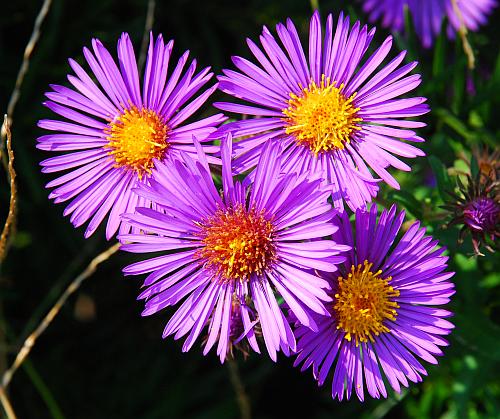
x=460 y=166
x=459 y=80
x=43 y=390
x=491 y=281
x=475 y=119
x=465 y=263
x=442 y=178
x=478 y=333
x=454 y=123
x=474 y=167
x=495 y=78
x=408 y=201
x=438 y=63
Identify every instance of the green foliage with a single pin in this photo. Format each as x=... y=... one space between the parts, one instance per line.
x=442 y=178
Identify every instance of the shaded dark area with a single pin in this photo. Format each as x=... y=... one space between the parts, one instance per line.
x=99 y=358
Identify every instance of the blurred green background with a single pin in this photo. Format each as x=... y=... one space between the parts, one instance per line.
x=99 y=358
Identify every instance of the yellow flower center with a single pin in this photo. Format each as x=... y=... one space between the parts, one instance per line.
x=363 y=302
x=322 y=118
x=136 y=138
x=237 y=243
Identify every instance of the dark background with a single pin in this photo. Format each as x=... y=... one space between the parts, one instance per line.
x=99 y=358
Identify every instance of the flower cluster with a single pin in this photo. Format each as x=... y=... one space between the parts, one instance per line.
x=259 y=232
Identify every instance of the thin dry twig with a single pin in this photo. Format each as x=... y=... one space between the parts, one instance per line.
x=31 y=339
x=7 y=406
x=243 y=400
x=28 y=51
x=148 y=25
x=462 y=31
x=10 y=222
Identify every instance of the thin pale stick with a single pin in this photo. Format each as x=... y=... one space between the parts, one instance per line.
x=243 y=400
x=10 y=222
x=8 y=227
x=7 y=407
x=148 y=25
x=28 y=51
x=462 y=31
x=31 y=339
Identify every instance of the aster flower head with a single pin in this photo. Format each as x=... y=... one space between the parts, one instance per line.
x=114 y=129
x=231 y=254
x=335 y=112
x=476 y=207
x=384 y=313
x=428 y=15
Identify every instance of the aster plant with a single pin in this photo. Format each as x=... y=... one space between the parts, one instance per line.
x=428 y=15
x=227 y=257
x=114 y=129
x=338 y=112
x=385 y=312
x=475 y=206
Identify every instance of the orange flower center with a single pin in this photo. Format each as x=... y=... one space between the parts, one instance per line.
x=238 y=243
x=136 y=138
x=321 y=117
x=363 y=302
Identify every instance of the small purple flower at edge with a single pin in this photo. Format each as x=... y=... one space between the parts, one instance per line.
x=428 y=15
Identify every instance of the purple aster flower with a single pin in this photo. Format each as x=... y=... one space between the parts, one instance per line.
x=428 y=15
x=482 y=214
x=383 y=315
x=227 y=257
x=114 y=129
x=476 y=207
x=336 y=113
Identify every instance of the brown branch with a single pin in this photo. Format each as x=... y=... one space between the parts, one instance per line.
x=148 y=25
x=10 y=222
x=7 y=407
x=35 y=36
x=243 y=400
x=31 y=339
x=462 y=31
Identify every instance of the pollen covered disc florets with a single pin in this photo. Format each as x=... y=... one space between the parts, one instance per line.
x=136 y=138
x=322 y=117
x=237 y=243
x=363 y=302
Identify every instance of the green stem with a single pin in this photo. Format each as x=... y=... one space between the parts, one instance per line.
x=43 y=390
x=314 y=5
